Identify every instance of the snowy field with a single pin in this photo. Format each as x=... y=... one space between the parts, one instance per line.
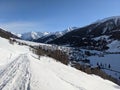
x=21 y=70
x=112 y=59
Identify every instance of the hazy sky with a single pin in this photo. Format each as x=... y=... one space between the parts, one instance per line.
x=53 y=15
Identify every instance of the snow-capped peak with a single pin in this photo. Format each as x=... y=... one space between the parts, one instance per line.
x=65 y=31
x=71 y=28
x=114 y=18
x=33 y=35
x=29 y=36
x=36 y=35
x=46 y=33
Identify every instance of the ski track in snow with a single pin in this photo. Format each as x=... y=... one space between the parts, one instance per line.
x=16 y=75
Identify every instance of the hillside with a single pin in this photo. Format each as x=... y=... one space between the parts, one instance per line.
x=82 y=37
x=89 y=61
x=21 y=70
x=6 y=34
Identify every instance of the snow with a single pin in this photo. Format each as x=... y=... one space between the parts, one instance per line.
x=33 y=35
x=18 y=35
x=10 y=51
x=114 y=46
x=104 y=30
x=22 y=70
x=16 y=75
x=31 y=43
x=103 y=36
x=112 y=59
x=115 y=18
x=45 y=46
x=57 y=34
x=67 y=77
x=36 y=35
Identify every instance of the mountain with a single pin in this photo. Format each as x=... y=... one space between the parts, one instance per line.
x=19 y=68
x=6 y=34
x=33 y=35
x=108 y=28
x=44 y=37
x=54 y=35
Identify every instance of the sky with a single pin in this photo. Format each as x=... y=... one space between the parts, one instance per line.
x=20 y=16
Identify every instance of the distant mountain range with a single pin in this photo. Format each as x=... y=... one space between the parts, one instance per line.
x=30 y=36
x=43 y=37
x=105 y=30
x=109 y=27
x=97 y=35
x=52 y=36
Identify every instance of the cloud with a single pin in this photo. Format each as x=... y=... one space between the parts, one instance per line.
x=20 y=27
x=28 y=26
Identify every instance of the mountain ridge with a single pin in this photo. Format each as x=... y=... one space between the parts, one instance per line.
x=6 y=34
x=38 y=36
x=79 y=37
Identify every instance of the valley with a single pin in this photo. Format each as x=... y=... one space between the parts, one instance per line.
x=91 y=52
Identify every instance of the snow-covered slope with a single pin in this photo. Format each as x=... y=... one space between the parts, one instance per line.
x=54 y=35
x=115 y=18
x=33 y=35
x=21 y=70
x=106 y=60
x=83 y=36
x=62 y=77
x=114 y=46
x=60 y=33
